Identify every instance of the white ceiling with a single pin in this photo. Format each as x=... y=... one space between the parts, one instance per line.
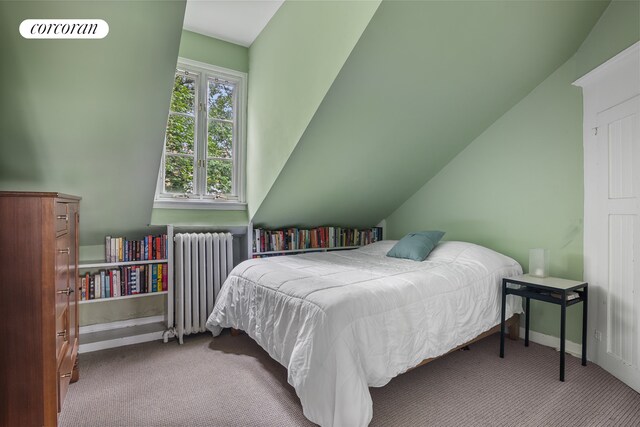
x=238 y=21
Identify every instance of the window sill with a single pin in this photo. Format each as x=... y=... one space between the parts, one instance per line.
x=220 y=205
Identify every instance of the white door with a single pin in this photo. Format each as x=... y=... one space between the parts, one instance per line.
x=617 y=221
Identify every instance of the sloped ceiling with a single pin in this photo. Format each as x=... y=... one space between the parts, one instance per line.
x=423 y=81
x=87 y=117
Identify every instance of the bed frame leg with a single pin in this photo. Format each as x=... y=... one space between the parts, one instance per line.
x=235 y=332
x=514 y=328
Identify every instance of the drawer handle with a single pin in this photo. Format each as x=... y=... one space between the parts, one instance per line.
x=67 y=375
x=62 y=334
x=67 y=291
x=63 y=251
x=64 y=217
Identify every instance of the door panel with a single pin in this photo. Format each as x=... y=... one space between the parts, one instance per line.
x=620 y=141
x=618 y=196
x=620 y=309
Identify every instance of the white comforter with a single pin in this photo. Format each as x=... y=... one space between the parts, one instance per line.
x=341 y=322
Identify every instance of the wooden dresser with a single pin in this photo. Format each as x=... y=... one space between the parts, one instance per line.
x=38 y=302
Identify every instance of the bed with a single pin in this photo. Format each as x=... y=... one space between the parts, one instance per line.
x=344 y=321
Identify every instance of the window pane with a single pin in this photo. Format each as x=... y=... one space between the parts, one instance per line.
x=221 y=100
x=180 y=134
x=178 y=175
x=220 y=140
x=219 y=176
x=183 y=98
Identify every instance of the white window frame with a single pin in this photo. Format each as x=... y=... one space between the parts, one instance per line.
x=235 y=201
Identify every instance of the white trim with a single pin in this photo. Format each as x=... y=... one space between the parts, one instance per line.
x=119 y=342
x=571 y=347
x=99 y=327
x=170 y=305
x=109 y=299
x=604 y=68
x=610 y=84
x=288 y=251
x=218 y=205
x=98 y=264
x=226 y=72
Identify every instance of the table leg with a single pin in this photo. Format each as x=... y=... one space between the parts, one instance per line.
x=527 y=308
x=502 y=315
x=585 y=305
x=563 y=324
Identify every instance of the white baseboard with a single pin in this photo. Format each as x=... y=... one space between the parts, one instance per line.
x=121 y=324
x=571 y=347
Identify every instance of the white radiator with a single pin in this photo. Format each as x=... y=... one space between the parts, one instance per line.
x=202 y=262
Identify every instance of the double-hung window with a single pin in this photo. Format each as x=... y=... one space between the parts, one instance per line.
x=203 y=157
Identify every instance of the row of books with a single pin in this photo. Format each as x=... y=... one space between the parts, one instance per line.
x=119 y=249
x=126 y=280
x=319 y=237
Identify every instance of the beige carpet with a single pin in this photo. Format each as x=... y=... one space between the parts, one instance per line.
x=230 y=381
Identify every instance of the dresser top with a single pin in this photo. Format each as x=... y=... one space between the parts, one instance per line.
x=37 y=194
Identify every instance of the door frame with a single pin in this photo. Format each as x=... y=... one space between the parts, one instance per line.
x=610 y=84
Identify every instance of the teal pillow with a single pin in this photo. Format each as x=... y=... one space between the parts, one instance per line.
x=416 y=246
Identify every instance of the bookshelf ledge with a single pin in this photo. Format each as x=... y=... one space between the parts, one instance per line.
x=337 y=248
x=102 y=264
x=122 y=297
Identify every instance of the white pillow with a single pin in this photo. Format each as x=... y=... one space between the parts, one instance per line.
x=378 y=248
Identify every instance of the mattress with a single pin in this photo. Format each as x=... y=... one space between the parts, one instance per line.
x=344 y=321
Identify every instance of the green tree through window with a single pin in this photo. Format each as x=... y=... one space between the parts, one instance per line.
x=201 y=137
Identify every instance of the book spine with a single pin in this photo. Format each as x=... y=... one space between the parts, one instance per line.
x=154 y=278
x=107 y=249
x=121 y=279
x=103 y=282
x=160 y=273
x=134 y=284
x=92 y=288
x=98 y=286
x=165 y=277
x=140 y=279
x=112 y=283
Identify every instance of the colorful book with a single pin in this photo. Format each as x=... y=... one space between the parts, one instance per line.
x=154 y=278
x=92 y=288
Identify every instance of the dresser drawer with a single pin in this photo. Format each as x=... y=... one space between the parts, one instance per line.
x=62 y=334
x=62 y=218
x=64 y=376
x=63 y=282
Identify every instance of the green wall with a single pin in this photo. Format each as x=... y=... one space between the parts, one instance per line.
x=203 y=217
x=87 y=117
x=519 y=185
x=125 y=309
x=293 y=62
x=617 y=29
x=515 y=187
x=423 y=81
x=213 y=51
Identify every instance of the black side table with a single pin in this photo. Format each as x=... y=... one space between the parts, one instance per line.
x=563 y=292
